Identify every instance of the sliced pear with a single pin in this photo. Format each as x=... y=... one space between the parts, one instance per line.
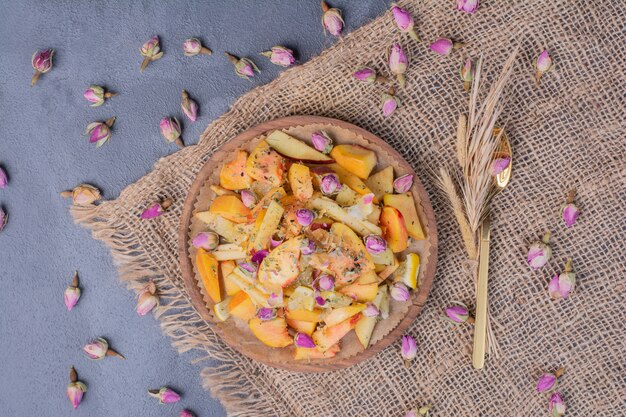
x=290 y=147
x=303 y=298
x=337 y=315
x=381 y=183
x=365 y=326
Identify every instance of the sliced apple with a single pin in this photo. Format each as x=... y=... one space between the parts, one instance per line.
x=280 y=267
x=384 y=258
x=328 y=336
x=229 y=252
x=406 y=205
x=232 y=232
x=292 y=148
x=337 y=315
x=374 y=216
x=347 y=196
x=335 y=299
x=268 y=226
x=381 y=183
x=315 y=353
x=265 y=165
x=409 y=270
x=233 y=175
x=306 y=327
x=365 y=326
x=333 y=210
x=394 y=229
x=354 y=158
x=208 y=268
x=272 y=333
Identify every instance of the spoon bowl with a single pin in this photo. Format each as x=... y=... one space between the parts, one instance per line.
x=501 y=180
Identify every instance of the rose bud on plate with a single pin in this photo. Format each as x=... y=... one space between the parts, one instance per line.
x=556 y=406
x=276 y=239
x=304 y=216
x=467 y=6
x=329 y=184
x=193 y=47
x=443 y=46
x=467 y=73
x=403 y=183
x=368 y=76
x=331 y=19
x=404 y=21
x=165 y=395
x=83 y=195
x=371 y=310
x=400 y=292
x=206 y=240
x=151 y=51
x=543 y=64
x=322 y=142
x=303 y=340
x=97 y=95
x=375 y=244
x=389 y=103
x=244 y=67
x=99 y=348
x=398 y=63
x=561 y=286
x=248 y=198
x=148 y=299
x=408 y=349
x=156 y=209
x=42 y=63
x=189 y=107
x=326 y=283
x=100 y=132
x=72 y=293
x=281 y=56
x=170 y=129
x=308 y=247
x=266 y=313
x=548 y=381
x=4 y=180
x=75 y=389
x=570 y=210
x=539 y=252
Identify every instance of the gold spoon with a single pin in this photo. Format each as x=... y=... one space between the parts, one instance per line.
x=501 y=180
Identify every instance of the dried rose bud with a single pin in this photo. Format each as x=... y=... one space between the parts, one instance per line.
x=148 y=299
x=83 y=195
x=248 y=198
x=244 y=67
x=319 y=300
x=321 y=141
x=539 y=252
x=570 y=210
x=274 y=300
x=206 y=240
x=165 y=395
x=97 y=95
x=75 y=389
x=266 y=313
x=189 y=107
x=548 y=381
x=467 y=73
x=365 y=74
x=543 y=64
x=170 y=129
x=389 y=103
x=443 y=46
x=398 y=63
x=99 y=348
x=329 y=184
x=371 y=310
x=193 y=47
x=156 y=209
x=326 y=283
x=499 y=165
x=404 y=21
x=556 y=406
x=276 y=239
x=409 y=348
x=42 y=63
x=259 y=256
x=403 y=183
x=151 y=51
x=304 y=216
x=457 y=313
x=186 y=413
x=375 y=244
x=467 y=6
x=100 y=132
x=400 y=292
x=4 y=218
x=332 y=20
x=280 y=55
x=308 y=247
x=249 y=268
x=72 y=293
x=3 y=179
x=562 y=285
x=303 y=340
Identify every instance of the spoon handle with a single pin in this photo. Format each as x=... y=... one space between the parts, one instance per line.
x=480 y=327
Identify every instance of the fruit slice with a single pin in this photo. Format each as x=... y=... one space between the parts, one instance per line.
x=389 y=269
x=232 y=232
x=233 y=175
x=226 y=268
x=381 y=183
x=328 y=336
x=306 y=327
x=384 y=303
x=347 y=196
x=409 y=270
x=249 y=286
x=280 y=267
x=365 y=326
x=265 y=165
x=268 y=226
x=406 y=205
x=314 y=316
x=300 y=181
x=335 y=299
x=207 y=267
x=315 y=353
x=384 y=258
x=351 y=180
x=276 y=193
x=362 y=293
x=221 y=309
x=272 y=333
x=229 y=252
x=394 y=229
x=303 y=298
x=337 y=315
x=230 y=207
x=241 y=306
x=336 y=212
x=354 y=158
x=293 y=148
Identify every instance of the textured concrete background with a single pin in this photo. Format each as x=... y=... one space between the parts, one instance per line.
x=43 y=151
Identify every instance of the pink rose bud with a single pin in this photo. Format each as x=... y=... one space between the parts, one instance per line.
x=400 y=292
x=403 y=184
x=244 y=67
x=332 y=20
x=365 y=74
x=409 y=348
x=156 y=209
x=319 y=300
x=404 y=21
x=3 y=179
x=99 y=348
x=75 y=389
x=42 y=63
x=562 y=285
x=189 y=107
x=148 y=299
x=330 y=184
x=97 y=95
x=443 y=46
x=371 y=310
x=542 y=65
x=375 y=244
x=248 y=198
x=467 y=73
x=547 y=382
x=499 y=165
x=165 y=395
x=467 y=6
x=276 y=239
x=308 y=247
x=457 y=313
x=170 y=129
x=322 y=142
x=398 y=62
x=72 y=293
x=556 y=406
x=83 y=195
x=303 y=340
x=326 y=283
x=206 y=240
x=280 y=55
x=539 y=252
x=186 y=413
x=304 y=216
x=266 y=313
x=193 y=47
x=151 y=51
x=4 y=219
x=259 y=256
x=390 y=103
x=100 y=132
x=570 y=210
x=274 y=300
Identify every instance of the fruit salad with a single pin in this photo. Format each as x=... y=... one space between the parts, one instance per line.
x=305 y=243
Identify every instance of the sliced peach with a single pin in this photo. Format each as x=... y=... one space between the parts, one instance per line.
x=406 y=205
x=207 y=267
x=233 y=175
x=306 y=327
x=230 y=207
x=381 y=183
x=394 y=229
x=241 y=306
x=226 y=268
x=280 y=267
x=337 y=315
x=300 y=181
x=354 y=158
x=272 y=333
x=314 y=316
x=315 y=353
x=328 y=336
x=266 y=165
x=362 y=293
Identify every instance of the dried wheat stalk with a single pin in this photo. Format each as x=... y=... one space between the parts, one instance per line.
x=461 y=138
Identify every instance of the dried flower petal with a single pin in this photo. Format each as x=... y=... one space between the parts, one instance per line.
x=398 y=63
x=539 y=252
x=389 y=103
x=371 y=310
x=248 y=267
x=404 y=21
x=308 y=247
x=443 y=46
x=170 y=129
x=156 y=209
x=100 y=132
x=72 y=293
x=562 y=285
x=375 y=244
x=244 y=67
x=259 y=256
x=248 y=198
x=266 y=313
x=403 y=184
x=304 y=216
x=329 y=184
x=556 y=406
x=274 y=300
x=186 y=413
x=189 y=107
x=3 y=179
x=151 y=51
x=400 y=292
x=543 y=64
x=206 y=240
x=42 y=63
x=303 y=340
x=83 y=195
x=193 y=47
x=409 y=348
x=331 y=19
x=326 y=283
x=281 y=56
x=457 y=313
x=276 y=239
x=467 y=6
x=322 y=142
x=75 y=389
x=165 y=395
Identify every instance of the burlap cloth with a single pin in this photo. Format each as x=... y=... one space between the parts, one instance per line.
x=568 y=132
